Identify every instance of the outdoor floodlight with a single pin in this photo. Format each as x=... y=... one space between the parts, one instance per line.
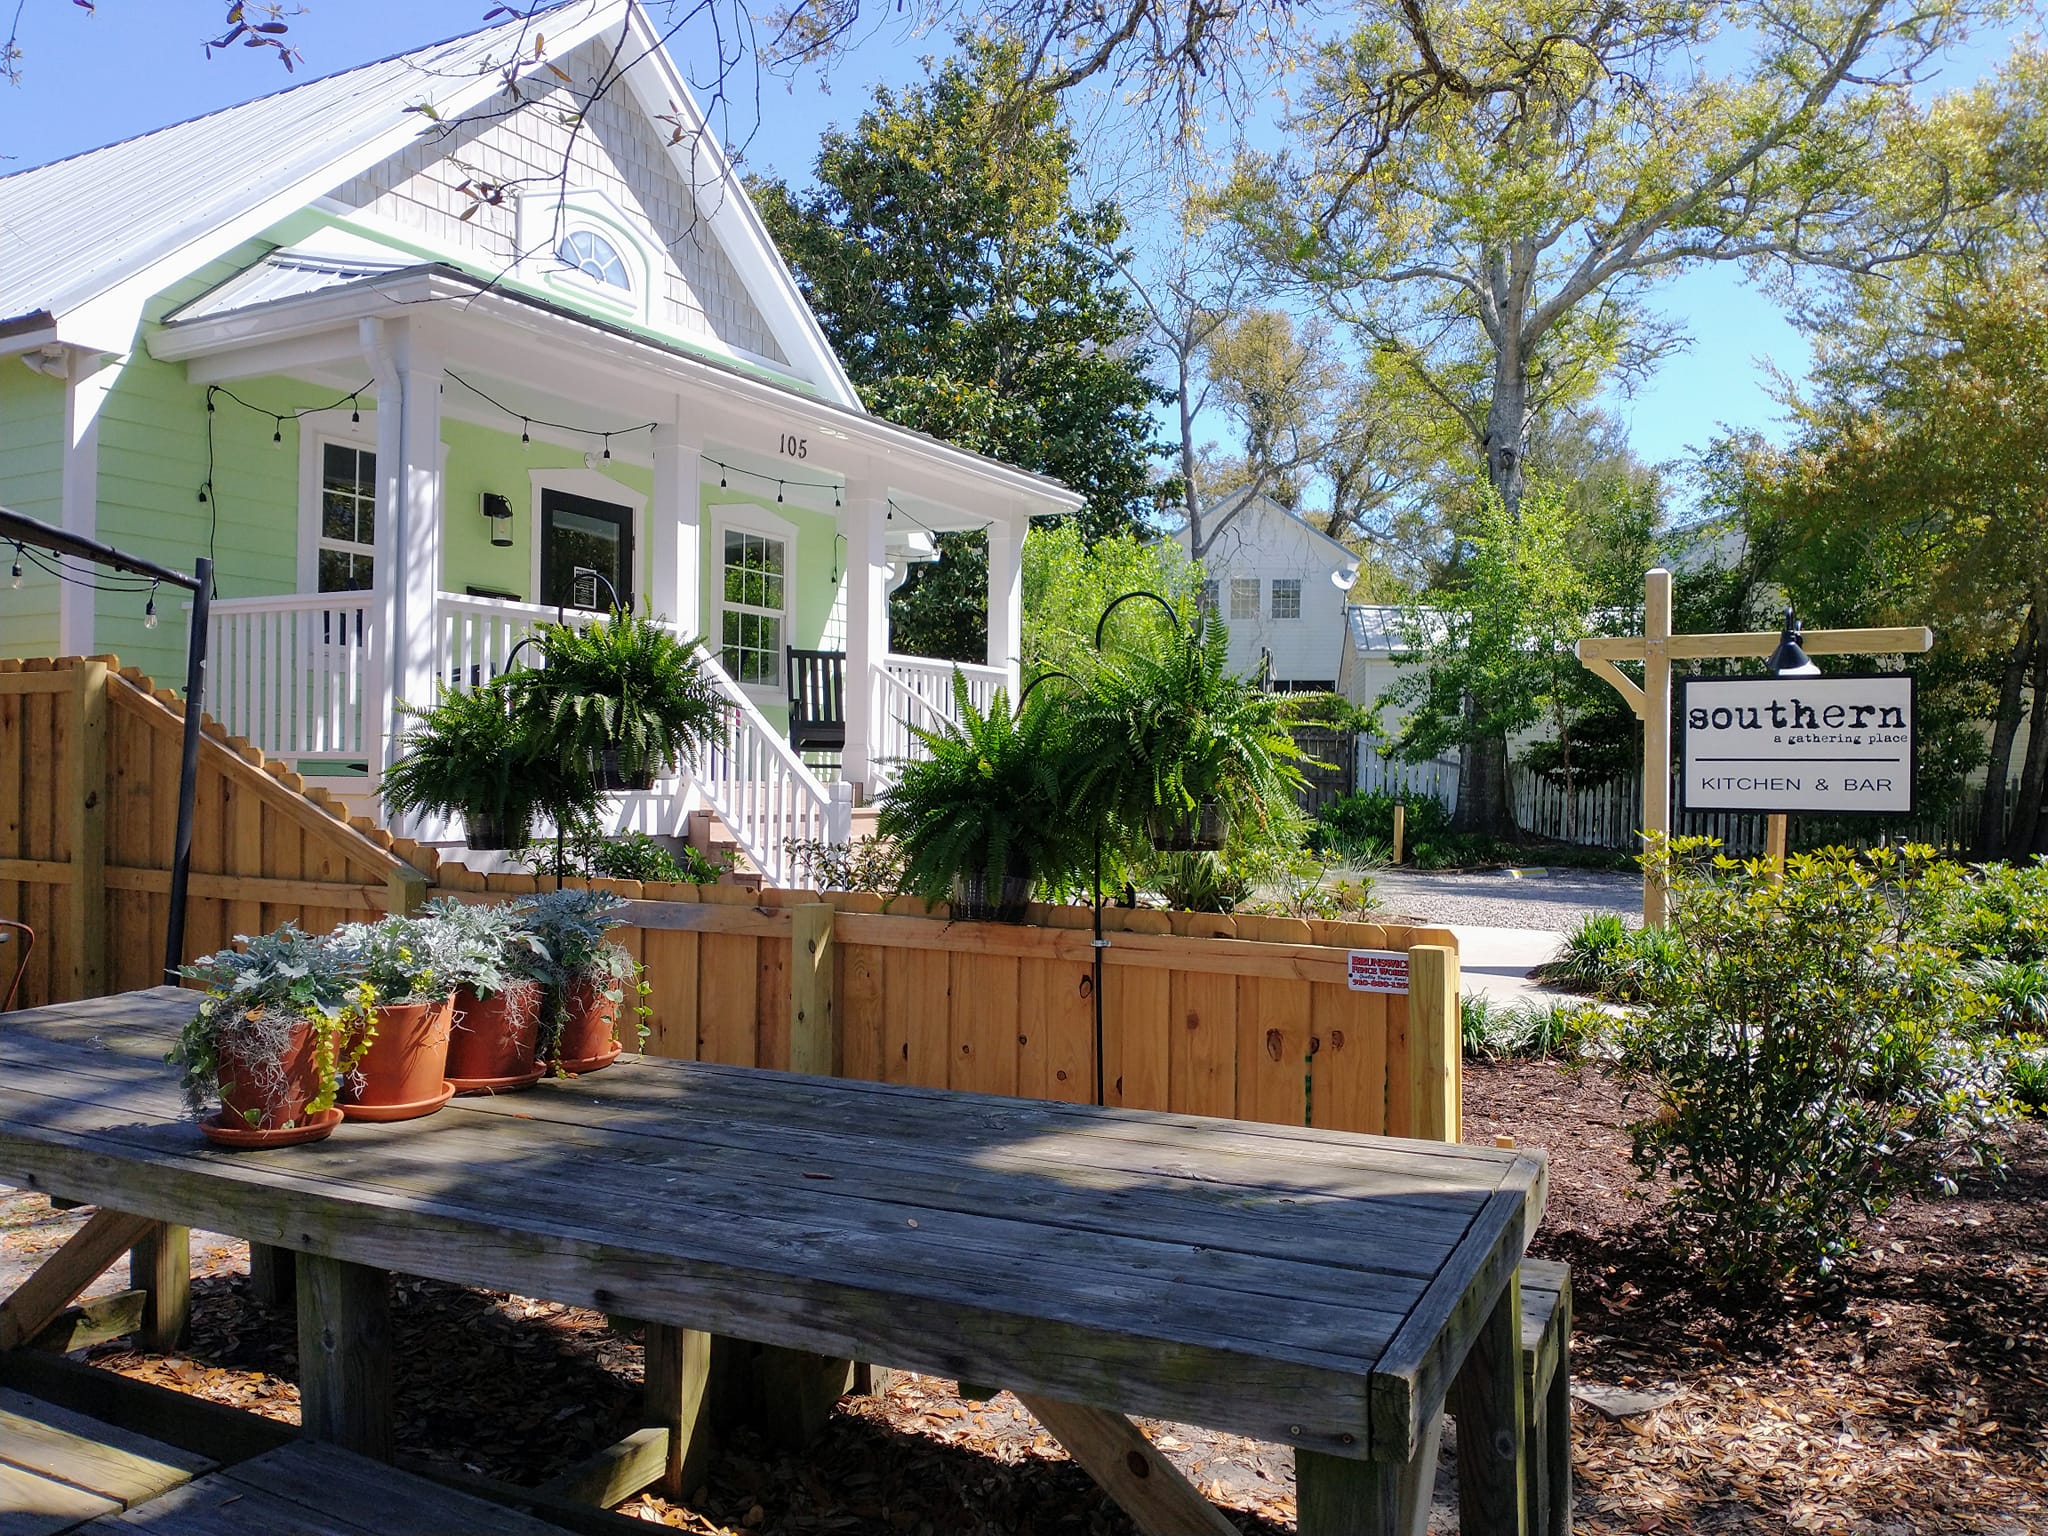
x=1789 y=660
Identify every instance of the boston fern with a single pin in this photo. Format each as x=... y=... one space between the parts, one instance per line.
x=996 y=797
x=1173 y=726
x=479 y=756
x=623 y=685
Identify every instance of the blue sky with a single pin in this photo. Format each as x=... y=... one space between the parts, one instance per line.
x=91 y=78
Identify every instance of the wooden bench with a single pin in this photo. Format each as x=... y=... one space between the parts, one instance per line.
x=1546 y=1378
x=60 y=1469
x=817 y=700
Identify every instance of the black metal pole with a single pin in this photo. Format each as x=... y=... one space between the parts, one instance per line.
x=188 y=766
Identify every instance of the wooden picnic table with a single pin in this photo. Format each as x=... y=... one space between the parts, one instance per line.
x=1322 y=1289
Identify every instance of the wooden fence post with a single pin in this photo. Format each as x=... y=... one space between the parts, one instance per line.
x=405 y=891
x=85 y=919
x=1400 y=830
x=1433 y=1043
x=813 y=1018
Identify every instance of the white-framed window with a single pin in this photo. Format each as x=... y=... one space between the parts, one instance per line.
x=1287 y=597
x=344 y=548
x=1244 y=597
x=755 y=554
x=1207 y=601
x=595 y=257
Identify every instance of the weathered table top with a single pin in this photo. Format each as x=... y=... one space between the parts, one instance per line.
x=1312 y=1287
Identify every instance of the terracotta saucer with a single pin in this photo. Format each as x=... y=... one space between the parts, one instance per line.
x=234 y=1133
x=592 y=1063
x=466 y=1086
x=413 y=1111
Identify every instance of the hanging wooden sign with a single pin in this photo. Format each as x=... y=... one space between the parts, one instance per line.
x=1837 y=746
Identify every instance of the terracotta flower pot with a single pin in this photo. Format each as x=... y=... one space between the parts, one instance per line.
x=589 y=1029
x=496 y=1040
x=403 y=1074
x=263 y=1103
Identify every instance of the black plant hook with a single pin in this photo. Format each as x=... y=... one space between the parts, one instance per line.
x=1102 y=623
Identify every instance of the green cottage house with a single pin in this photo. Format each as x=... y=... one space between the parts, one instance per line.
x=426 y=351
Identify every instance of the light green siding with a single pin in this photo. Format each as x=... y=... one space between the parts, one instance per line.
x=31 y=482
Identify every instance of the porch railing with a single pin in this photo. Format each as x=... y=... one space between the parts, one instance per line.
x=763 y=792
x=475 y=635
x=896 y=709
x=931 y=681
x=292 y=673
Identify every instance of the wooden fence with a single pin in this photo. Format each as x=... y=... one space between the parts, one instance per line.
x=89 y=759
x=1249 y=1018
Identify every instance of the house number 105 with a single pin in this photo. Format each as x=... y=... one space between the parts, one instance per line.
x=793 y=447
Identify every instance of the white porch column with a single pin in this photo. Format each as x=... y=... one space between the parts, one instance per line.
x=407 y=579
x=85 y=389
x=1006 y=599
x=676 y=532
x=867 y=624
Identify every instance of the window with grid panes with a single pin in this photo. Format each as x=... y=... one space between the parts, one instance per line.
x=1244 y=597
x=348 y=517
x=1208 y=599
x=755 y=607
x=1287 y=597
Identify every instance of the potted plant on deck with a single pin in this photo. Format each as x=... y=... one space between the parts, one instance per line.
x=589 y=981
x=1183 y=746
x=412 y=969
x=622 y=698
x=494 y=1040
x=272 y=1038
x=991 y=809
x=477 y=756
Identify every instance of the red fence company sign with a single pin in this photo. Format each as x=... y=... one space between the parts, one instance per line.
x=1378 y=970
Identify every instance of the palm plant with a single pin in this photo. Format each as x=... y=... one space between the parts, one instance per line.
x=1183 y=746
x=622 y=697
x=992 y=808
x=479 y=756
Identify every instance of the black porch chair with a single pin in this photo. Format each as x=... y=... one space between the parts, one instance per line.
x=817 y=700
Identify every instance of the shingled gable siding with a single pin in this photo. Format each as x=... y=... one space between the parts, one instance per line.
x=31 y=481
x=618 y=153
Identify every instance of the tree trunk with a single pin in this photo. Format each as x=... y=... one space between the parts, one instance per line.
x=1483 y=805
x=2004 y=730
x=2029 y=826
x=1507 y=423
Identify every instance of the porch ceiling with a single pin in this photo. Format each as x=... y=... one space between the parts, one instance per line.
x=597 y=373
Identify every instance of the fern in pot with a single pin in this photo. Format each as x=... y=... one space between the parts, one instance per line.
x=589 y=982
x=479 y=755
x=1185 y=747
x=279 y=1028
x=994 y=807
x=494 y=1044
x=622 y=698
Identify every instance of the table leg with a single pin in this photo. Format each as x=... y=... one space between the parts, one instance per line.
x=345 y=1354
x=271 y=1273
x=1338 y=1496
x=160 y=1266
x=678 y=1390
x=1486 y=1399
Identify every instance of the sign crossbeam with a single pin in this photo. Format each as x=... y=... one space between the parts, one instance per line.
x=1650 y=700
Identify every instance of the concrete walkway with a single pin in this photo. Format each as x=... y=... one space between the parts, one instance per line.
x=1496 y=962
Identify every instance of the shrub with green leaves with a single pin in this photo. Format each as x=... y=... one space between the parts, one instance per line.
x=1352 y=819
x=408 y=961
x=1538 y=1029
x=1811 y=1051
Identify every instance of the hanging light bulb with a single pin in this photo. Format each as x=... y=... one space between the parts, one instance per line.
x=721 y=477
x=277 y=432
x=355 y=413
x=525 y=435
x=149 y=609
x=202 y=493
x=209 y=400
x=778 y=490
x=835 y=496
x=17 y=566
x=607 y=445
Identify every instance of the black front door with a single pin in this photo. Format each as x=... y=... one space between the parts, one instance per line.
x=578 y=533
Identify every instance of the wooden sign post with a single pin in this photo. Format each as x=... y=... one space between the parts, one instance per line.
x=1656 y=648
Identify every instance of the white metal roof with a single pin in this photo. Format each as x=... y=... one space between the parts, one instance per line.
x=73 y=229
x=1381 y=629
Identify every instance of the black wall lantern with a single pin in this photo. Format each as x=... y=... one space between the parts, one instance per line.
x=498 y=513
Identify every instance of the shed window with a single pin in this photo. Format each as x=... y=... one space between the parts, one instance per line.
x=1244 y=597
x=1287 y=597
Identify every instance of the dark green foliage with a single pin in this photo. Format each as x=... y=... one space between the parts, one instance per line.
x=1197 y=882
x=1812 y=1052
x=1168 y=725
x=1355 y=818
x=622 y=684
x=1331 y=709
x=966 y=290
x=476 y=755
x=1489 y=1031
x=592 y=854
x=942 y=609
x=996 y=797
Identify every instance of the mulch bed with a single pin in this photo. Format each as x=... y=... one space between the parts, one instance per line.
x=1909 y=1396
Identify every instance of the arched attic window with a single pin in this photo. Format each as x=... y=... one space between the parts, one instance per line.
x=595 y=257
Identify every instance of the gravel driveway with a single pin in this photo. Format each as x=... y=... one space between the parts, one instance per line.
x=1554 y=899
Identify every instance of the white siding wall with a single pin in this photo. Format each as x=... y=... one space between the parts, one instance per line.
x=698 y=292
x=1273 y=548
